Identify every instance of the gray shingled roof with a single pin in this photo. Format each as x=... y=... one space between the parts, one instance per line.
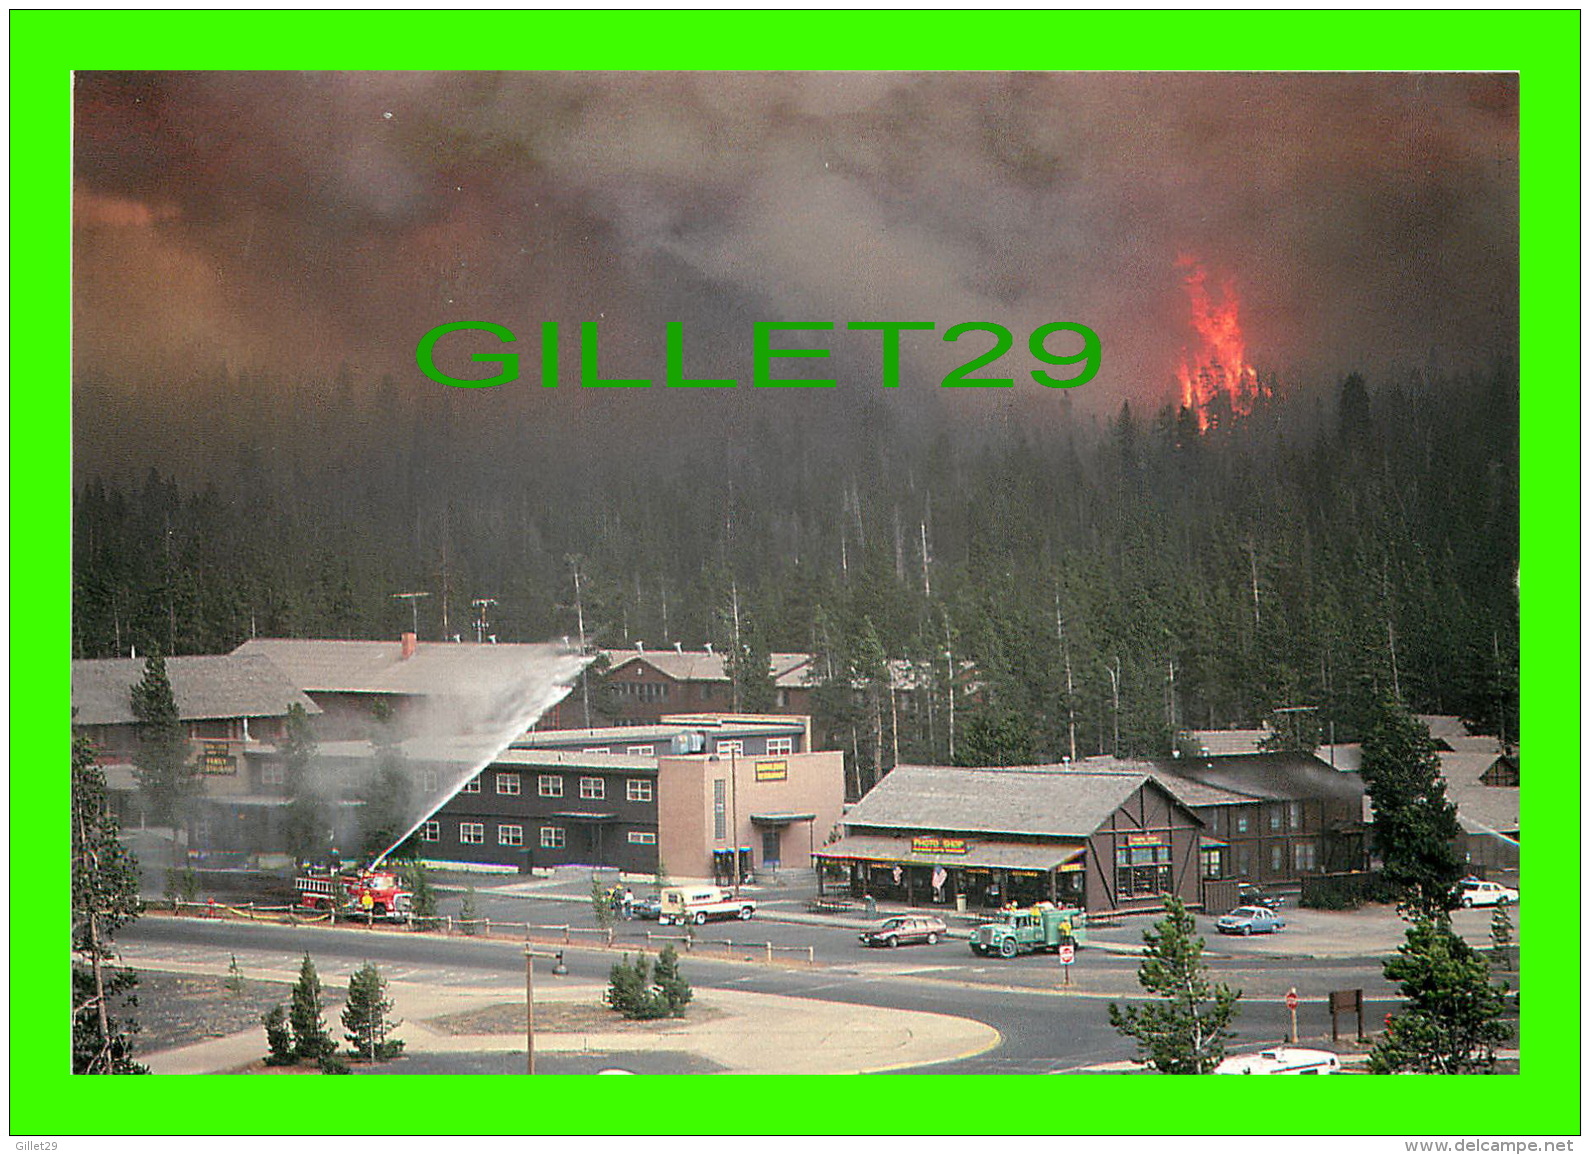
x=1040 y=800
x=1188 y=790
x=700 y=666
x=436 y=669
x=1481 y=809
x=207 y=686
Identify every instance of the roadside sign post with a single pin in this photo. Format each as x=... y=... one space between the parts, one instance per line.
x=1067 y=954
x=1341 y=1001
x=1291 y=1005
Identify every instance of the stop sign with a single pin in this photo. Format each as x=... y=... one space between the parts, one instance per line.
x=1291 y=1000
x=1067 y=953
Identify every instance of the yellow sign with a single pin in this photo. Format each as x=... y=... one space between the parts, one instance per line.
x=218 y=759
x=927 y=845
x=772 y=771
x=1070 y=868
x=1145 y=840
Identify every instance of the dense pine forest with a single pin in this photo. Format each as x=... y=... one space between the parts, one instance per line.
x=1111 y=580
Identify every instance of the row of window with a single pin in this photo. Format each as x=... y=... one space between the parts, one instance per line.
x=512 y=834
x=551 y=786
x=1291 y=813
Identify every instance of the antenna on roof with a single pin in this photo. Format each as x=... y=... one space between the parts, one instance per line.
x=414 y=604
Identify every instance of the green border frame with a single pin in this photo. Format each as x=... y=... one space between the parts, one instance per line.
x=47 y=46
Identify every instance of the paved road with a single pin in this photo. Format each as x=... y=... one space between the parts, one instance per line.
x=1041 y=1030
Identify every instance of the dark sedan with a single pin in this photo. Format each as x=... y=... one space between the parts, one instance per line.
x=903 y=929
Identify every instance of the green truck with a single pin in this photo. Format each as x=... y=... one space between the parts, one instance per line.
x=1042 y=927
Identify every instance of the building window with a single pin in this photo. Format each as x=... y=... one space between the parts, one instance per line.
x=593 y=788
x=638 y=789
x=510 y=835
x=273 y=774
x=643 y=838
x=472 y=833
x=552 y=838
x=1211 y=861
x=1275 y=818
x=1303 y=857
x=507 y=784
x=1244 y=862
x=431 y=832
x=720 y=809
x=550 y=786
x=1276 y=850
x=1142 y=870
x=734 y=746
x=781 y=745
x=472 y=786
x=1294 y=815
x=1242 y=822
x=648 y=751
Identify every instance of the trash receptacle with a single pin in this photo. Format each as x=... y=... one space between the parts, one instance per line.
x=960 y=904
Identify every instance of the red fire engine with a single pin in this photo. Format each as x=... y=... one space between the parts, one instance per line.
x=375 y=893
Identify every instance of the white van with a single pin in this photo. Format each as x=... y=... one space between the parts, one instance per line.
x=696 y=904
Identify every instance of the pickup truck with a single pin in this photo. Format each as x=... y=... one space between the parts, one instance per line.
x=696 y=904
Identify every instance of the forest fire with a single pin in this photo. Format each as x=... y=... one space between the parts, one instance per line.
x=1216 y=379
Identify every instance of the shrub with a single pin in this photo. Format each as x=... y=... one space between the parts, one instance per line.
x=279 y=1037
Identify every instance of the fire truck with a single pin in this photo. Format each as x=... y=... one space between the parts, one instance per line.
x=372 y=892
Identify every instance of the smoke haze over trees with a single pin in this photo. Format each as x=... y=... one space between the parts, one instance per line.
x=1333 y=547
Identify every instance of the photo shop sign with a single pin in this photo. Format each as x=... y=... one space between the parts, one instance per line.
x=1085 y=360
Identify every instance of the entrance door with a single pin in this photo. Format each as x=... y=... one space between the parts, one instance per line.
x=770 y=847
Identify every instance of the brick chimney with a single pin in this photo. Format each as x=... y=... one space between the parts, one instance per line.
x=410 y=641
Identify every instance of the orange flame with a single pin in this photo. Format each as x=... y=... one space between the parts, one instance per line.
x=1217 y=377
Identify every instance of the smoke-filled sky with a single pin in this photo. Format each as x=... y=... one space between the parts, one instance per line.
x=289 y=223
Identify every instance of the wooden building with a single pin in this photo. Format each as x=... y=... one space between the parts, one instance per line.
x=1110 y=840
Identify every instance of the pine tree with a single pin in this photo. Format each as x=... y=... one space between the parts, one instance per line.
x=423 y=895
x=1186 y=1031
x=627 y=983
x=671 y=985
x=278 y=1037
x=1415 y=826
x=306 y=821
x=384 y=813
x=166 y=774
x=310 y=1037
x=365 y=1021
x=1452 y=1020
x=104 y=899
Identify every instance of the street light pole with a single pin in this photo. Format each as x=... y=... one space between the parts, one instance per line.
x=734 y=814
x=530 y=1000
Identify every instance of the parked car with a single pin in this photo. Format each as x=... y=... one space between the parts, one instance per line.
x=1249 y=920
x=648 y=907
x=1477 y=892
x=1282 y=1061
x=1250 y=895
x=905 y=928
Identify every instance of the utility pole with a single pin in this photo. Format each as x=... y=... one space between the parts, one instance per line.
x=480 y=605
x=734 y=811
